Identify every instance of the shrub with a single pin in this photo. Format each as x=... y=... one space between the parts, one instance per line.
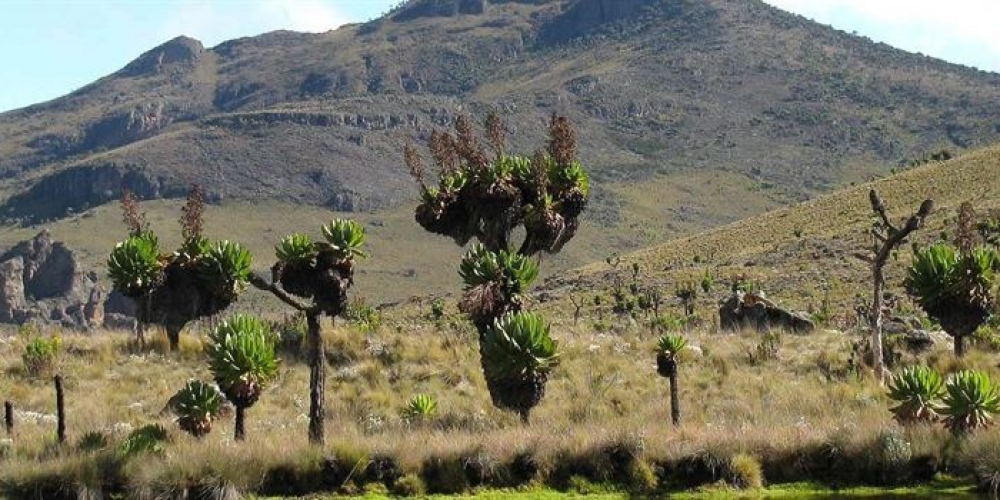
x=40 y=355
x=409 y=485
x=744 y=471
x=197 y=406
x=92 y=441
x=421 y=408
x=893 y=457
x=437 y=309
x=445 y=475
x=363 y=315
x=767 y=350
x=146 y=439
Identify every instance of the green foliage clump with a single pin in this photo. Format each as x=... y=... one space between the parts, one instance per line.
x=421 y=408
x=197 y=406
x=241 y=357
x=92 y=441
x=667 y=348
x=517 y=354
x=971 y=401
x=134 y=265
x=410 y=485
x=916 y=390
x=225 y=269
x=344 y=238
x=149 y=438
x=296 y=250
x=363 y=315
x=40 y=356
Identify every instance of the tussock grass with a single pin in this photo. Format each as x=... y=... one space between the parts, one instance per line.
x=604 y=420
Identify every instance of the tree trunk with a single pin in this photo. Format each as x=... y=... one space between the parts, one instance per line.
x=174 y=336
x=60 y=410
x=878 y=358
x=317 y=380
x=960 y=345
x=8 y=417
x=675 y=403
x=524 y=417
x=241 y=429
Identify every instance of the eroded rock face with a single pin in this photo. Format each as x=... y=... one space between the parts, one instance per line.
x=41 y=280
x=754 y=310
x=11 y=288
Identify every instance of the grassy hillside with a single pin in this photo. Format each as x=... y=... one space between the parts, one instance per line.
x=803 y=254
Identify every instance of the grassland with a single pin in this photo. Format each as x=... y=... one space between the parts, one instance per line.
x=804 y=415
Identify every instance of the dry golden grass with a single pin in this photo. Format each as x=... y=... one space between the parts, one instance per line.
x=606 y=390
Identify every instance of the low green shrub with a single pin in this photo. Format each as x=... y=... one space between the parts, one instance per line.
x=409 y=485
x=745 y=472
x=40 y=356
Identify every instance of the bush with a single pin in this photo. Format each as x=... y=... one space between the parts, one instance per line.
x=146 y=439
x=445 y=475
x=641 y=478
x=409 y=485
x=893 y=457
x=745 y=472
x=363 y=315
x=40 y=355
x=92 y=441
x=982 y=458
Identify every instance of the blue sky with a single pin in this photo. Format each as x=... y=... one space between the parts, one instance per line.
x=51 y=47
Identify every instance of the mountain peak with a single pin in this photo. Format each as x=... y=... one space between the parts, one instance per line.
x=180 y=50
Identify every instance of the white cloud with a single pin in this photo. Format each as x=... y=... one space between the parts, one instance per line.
x=215 y=21
x=304 y=15
x=957 y=30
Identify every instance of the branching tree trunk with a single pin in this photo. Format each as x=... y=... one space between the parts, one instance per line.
x=886 y=239
x=317 y=366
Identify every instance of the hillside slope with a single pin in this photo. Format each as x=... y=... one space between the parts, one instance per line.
x=664 y=93
x=804 y=254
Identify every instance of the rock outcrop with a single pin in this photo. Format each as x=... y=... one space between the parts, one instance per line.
x=754 y=310
x=41 y=280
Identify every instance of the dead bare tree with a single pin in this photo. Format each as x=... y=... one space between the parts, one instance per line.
x=886 y=238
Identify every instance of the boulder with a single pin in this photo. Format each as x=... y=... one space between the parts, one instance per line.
x=754 y=310
x=41 y=279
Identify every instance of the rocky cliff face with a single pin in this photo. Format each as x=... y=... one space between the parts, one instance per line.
x=81 y=187
x=41 y=280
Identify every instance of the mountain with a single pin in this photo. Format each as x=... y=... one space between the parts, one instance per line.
x=690 y=113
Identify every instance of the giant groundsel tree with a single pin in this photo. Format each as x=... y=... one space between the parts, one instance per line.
x=484 y=195
x=198 y=280
x=954 y=283
x=313 y=277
